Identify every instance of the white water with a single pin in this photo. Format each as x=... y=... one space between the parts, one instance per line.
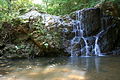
x=97 y=48
x=78 y=29
x=86 y=47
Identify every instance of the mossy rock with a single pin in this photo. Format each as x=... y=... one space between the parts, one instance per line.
x=109 y=8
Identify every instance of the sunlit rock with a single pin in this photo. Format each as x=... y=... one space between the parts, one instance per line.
x=50 y=21
x=31 y=15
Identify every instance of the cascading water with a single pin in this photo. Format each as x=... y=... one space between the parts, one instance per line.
x=97 y=48
x=79 y=30
x=86 y=47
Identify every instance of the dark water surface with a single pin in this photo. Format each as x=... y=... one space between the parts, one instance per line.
x=72 y=68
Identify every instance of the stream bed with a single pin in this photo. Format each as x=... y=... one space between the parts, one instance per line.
x=64 y=68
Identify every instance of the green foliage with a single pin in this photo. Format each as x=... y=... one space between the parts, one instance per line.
x=62 y=7
x=44 y=36
x=12 y=8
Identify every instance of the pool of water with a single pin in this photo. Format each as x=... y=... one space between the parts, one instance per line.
x=65 y=68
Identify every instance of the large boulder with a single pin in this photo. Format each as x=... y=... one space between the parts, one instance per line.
x=110 y=22
x=109 y=41
x=88 y=20
x=91 y=20
x=101 y=21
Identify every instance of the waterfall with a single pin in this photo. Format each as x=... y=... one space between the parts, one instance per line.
x=79 y=30
x=86 y=47
x=97 y=48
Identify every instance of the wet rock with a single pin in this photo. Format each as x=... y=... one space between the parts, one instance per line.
x=2 y=46
x=110 y=24
x=66 y=43
x=69 y=35
x=86 y=20
x=109 y=41
x=91 y=40
x=91 y=20
x=114 y=52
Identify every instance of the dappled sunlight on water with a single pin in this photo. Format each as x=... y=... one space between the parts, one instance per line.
x=48 y=73
x=77 y=68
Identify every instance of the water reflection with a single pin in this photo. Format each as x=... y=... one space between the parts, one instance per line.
x=73 y=68
x=84 y=63
x=97 y=63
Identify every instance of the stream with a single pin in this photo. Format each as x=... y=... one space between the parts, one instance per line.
x=62 y=68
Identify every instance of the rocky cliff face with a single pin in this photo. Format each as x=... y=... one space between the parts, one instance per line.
x=81 y=28
x=104 y=19
x=79 y=38
x=109 y=42
x=90 y=31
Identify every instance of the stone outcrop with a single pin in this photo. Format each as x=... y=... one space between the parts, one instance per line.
x=96 y=20
x=85 y=20
x=103 y=18
x=91 y=20
x=84 y=32
x=109 y=8
x=109 y=41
